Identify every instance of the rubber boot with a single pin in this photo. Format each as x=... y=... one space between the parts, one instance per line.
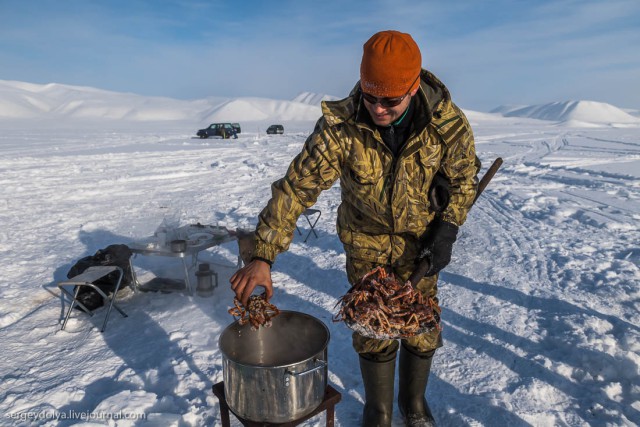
x=378 y=374
x=414 y=374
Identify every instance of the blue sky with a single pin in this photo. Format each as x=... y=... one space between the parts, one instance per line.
x=489 y=52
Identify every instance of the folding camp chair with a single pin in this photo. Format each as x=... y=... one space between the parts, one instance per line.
x=87 y=278
x=307 y=214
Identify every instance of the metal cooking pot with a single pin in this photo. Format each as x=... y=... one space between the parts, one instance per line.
x=276 y=374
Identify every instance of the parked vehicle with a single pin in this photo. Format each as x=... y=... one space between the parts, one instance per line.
x=224 y=130
x=275 y=129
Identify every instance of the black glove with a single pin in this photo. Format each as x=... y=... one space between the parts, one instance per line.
x=437 y=245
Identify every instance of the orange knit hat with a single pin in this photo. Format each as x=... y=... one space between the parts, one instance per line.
x=391 y=62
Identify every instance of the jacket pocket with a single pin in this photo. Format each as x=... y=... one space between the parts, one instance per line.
x=363 y=174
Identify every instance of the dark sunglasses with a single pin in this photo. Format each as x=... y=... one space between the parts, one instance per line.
x=387 y=102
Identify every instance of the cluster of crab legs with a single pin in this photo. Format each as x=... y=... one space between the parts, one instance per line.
x=382 y=305
x=258 y=312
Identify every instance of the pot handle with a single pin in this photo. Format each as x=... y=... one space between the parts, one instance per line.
x=320 y=364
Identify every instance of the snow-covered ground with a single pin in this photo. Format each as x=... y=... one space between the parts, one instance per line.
x=540 y=303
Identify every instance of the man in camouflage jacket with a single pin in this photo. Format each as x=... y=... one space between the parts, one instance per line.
x=388 y=142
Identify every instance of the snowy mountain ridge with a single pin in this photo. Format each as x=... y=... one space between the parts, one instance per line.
x=22 y=100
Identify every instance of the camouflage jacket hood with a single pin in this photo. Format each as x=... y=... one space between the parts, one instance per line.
x=385 y=207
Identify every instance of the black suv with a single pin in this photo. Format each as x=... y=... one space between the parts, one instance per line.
x=225 y=130
x=275 y=129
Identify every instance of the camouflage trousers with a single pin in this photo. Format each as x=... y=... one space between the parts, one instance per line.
x=423 y=343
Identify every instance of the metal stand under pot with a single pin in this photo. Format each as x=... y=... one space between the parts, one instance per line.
x=331 y=398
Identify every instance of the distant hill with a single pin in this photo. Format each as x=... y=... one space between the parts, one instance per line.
x=260 y=109
x=571 y=111
x=313 y=98
x=503 y=109
x=19 y=100
x=634 y=112
x=26 y=100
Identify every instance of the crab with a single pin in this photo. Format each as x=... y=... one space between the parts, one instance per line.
x=258 y=311
x=385 y=307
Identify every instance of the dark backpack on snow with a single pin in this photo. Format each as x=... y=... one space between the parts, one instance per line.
x=117 y=255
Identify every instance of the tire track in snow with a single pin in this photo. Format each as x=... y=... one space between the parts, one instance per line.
x=553 y=310
x=521 y=234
